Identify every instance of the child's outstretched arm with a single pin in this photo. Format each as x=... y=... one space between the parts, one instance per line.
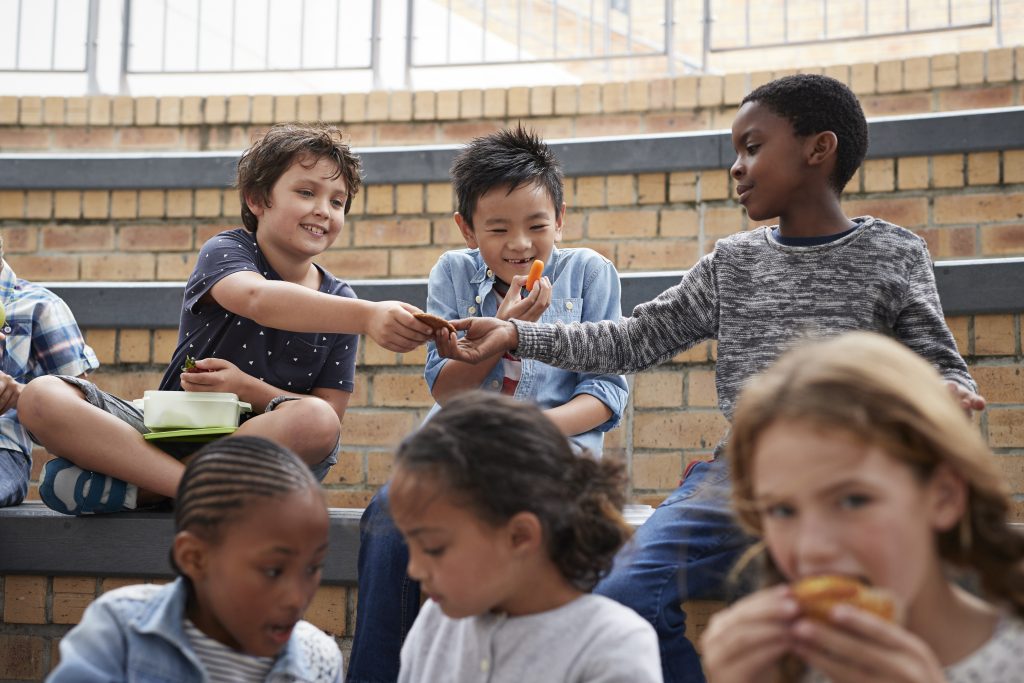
x=288 y=306
x=922 y=327
x=674 y=321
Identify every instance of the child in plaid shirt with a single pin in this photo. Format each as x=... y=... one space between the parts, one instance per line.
x=38 y=337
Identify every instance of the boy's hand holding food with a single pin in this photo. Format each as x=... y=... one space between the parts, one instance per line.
x=528 y=308
x=215 y=374
x=484 y=338
x=393 y=325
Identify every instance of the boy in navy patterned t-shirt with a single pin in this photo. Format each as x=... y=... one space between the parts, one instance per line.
x=264 y=321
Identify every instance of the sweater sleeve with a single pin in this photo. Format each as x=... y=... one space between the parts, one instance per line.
x=922 y=327
x=673 y=322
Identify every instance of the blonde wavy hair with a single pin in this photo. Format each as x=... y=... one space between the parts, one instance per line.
x=881 y=393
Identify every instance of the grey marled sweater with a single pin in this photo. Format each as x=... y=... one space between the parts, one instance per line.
x=758 y=298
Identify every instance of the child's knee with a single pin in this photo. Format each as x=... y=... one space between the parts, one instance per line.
x=320 y=425
x=40 y=395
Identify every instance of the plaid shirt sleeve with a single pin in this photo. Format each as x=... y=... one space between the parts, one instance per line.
x=58 y=347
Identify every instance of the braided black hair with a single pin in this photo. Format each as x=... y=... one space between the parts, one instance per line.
x=227 y=474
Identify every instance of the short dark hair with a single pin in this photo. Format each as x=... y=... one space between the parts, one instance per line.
x=227 y=474
x=813 y=104
x=269 y=157
x=506 y=158
x=499 y=457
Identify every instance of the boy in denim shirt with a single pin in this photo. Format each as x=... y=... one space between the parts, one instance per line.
x=510 y=212
x=798 y=142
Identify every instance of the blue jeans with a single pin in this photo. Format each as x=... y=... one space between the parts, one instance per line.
x=388 y=599
x=14 y=473
x=684 y=551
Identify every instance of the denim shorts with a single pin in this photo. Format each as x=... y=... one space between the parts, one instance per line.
x=127 y=412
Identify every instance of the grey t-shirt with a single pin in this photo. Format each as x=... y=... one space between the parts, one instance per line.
x=293 y=361
x=590 y=640
x=759 y=298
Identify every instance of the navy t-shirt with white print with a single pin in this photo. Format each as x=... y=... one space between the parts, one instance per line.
x=292 y=361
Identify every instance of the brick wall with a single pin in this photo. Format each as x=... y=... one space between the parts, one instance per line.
x=945 y=82
x=965 y=205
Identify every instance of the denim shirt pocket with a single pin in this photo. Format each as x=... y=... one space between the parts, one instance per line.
x=467 y=308
x=566 y=310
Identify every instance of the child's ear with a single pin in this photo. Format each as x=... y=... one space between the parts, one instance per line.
x=467 y=231
x=947 y=498
x=255 y=205
x=190 y=554
x=525 y=532
x=559 y=222
x=822 y=146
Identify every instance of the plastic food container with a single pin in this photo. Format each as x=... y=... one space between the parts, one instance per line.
x=190 y=409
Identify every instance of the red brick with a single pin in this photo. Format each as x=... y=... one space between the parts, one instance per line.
x=377 y=428
x=17 y=139
x=1000 y=383
x=327 y=611
x=700 y=389
x=1002 y=240
x=24 y=599
x=994 y=335
x=349 y=469
x=688 y=429
x=355 y=263
x=118 y=267
x=379 y=466
x=20 y=240
x=134 y=346
x=657 y=470
x=909 y=212
x=163 y=237
x=78 y=238
x=896 y=105
x=33 y=267
x=978 y=208
x=980 y=98
x=371 y=233
x=96 y=137
x=679 y=121
x=414 y=262
x=616 y=224
x=619 y=124
x=944 y=243
x=1005 y=427
x=658 y=390
x=348 y=499
x=642 y=255
x=21 y=657
x=149 y=138
x=407 y=133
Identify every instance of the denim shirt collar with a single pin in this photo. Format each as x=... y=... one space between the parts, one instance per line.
x=164 y=617
x=483 y=278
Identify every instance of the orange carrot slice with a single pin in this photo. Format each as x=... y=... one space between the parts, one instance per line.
x=536 y=270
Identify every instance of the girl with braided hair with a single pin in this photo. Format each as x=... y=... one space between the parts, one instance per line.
x=508 y=531
x=250 y=539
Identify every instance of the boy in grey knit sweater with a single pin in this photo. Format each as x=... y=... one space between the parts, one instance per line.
x=798 y=141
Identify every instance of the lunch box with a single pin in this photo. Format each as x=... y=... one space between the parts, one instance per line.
x=190 y=409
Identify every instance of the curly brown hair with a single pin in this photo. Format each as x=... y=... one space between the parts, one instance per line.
x=500 y=457
x=884 y=395
x=307 y=143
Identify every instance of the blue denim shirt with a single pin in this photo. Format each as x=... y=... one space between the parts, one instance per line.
x=584 y=287
x=136 y=634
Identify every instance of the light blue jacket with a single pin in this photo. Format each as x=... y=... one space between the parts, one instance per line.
x=135 y=634
x=584 y=287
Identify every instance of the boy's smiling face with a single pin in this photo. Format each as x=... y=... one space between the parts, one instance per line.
x=306 y=211
x=512 y=229
x=770 y=170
